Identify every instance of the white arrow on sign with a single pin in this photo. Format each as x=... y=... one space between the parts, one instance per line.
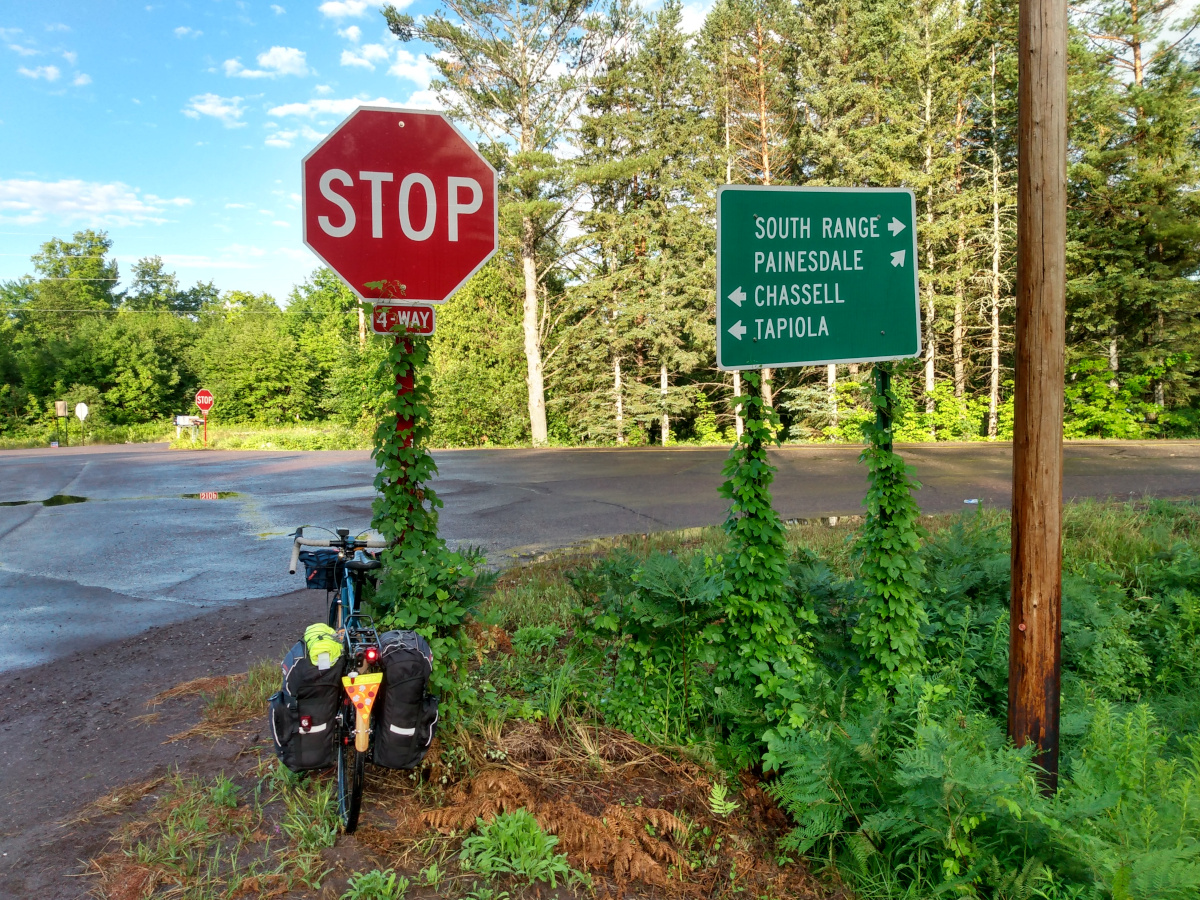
x=737 y=329
x=898 y=258
x=738 y=295
x=895 y=226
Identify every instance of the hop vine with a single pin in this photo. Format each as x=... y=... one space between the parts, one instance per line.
x=891 y=570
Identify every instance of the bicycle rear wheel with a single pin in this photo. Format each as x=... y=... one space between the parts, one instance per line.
x=351 y=772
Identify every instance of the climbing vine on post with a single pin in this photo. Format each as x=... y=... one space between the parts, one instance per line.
x=425 y=586
x=768 y=652
x=889 y=626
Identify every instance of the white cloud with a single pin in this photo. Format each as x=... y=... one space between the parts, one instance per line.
x=244 y=250
x=50 y=73
x=328 y=107
x=22 y=51
x=281 y=137
x=274 y=62
x=366 y=57
x=423 y=100
x=692 y=16
x=58 y=26
x=185 y=31
x=114 y=203
x=81 y=79
x=228 y=110
x=277 y=9
x=341 y=9
x=418 y=69
x=350 y=58
x=353 y=33
x=282 y=224
x=70 y=56
x=323 y=89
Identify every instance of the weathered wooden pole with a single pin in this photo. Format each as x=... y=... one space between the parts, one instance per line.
x=1035 y=649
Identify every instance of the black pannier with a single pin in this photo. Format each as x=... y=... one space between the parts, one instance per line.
x=303 y=712
x=405 y=712
x=322 y=569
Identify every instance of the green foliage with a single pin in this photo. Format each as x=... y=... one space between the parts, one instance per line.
x=889 y=625
x=766 y=651
x=476 y=368
x=376 y=885
x=660 y=614
x=536 y=640
x=514 y=844
x=252 y=365
x=1098 y=404
x=719 y=802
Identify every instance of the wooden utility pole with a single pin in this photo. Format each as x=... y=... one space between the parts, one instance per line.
x=1035 y=647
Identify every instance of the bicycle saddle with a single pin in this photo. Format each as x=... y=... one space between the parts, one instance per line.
x=363 y=565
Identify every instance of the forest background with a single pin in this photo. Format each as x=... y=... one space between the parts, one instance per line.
x=612 y=129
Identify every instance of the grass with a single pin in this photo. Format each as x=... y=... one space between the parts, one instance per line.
x=256 y=834
x=41 y=436
x=280 y=437
x=230 y=700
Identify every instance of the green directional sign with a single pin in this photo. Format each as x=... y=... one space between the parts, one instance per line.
x=811 y=276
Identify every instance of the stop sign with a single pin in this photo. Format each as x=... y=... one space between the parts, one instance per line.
x=400 y=197
x=204 y=400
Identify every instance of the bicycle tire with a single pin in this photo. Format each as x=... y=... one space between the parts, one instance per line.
x=335 y=611
x=351 y=772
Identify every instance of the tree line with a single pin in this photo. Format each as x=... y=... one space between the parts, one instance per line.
x=612 y=129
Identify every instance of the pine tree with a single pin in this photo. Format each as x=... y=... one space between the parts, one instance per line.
x=517 y=72
x=646 y=159
x=1136 y=212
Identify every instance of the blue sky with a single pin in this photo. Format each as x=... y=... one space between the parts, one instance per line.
x=179 y=127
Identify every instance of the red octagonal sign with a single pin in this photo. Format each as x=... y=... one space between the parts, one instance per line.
x=400 y=197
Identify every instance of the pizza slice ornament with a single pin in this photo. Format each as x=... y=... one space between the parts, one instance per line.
x=362 y=690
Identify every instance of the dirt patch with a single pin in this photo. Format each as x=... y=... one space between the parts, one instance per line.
x=74 y=731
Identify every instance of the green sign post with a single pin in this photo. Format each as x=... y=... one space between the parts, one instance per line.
x=812 y=276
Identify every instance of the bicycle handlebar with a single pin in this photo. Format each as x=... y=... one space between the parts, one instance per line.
x=313 y=542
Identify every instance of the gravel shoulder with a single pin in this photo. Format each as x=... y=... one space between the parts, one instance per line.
x=78 y=728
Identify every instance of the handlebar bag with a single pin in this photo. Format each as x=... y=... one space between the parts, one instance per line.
x=303 y=711
x=406 y=713
x=322 y=569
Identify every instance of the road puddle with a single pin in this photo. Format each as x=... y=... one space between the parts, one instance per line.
x=56 y=500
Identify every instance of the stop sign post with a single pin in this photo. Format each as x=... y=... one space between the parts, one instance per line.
x=204 y=402
x=403 y=208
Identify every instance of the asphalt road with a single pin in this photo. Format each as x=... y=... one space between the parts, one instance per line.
x=137 y=547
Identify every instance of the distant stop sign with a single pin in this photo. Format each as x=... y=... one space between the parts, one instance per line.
x=397 y=196
x=204 y=400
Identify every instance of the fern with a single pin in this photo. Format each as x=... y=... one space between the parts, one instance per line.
x=720 y=804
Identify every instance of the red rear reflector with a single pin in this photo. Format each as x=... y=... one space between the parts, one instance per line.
x=306 y=722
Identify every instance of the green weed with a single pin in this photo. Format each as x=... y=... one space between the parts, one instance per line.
x=514 y=844
x=377 y=885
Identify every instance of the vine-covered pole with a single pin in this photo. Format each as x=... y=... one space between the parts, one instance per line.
x=404 y=387
x=883 y=412
x=1035 y=623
